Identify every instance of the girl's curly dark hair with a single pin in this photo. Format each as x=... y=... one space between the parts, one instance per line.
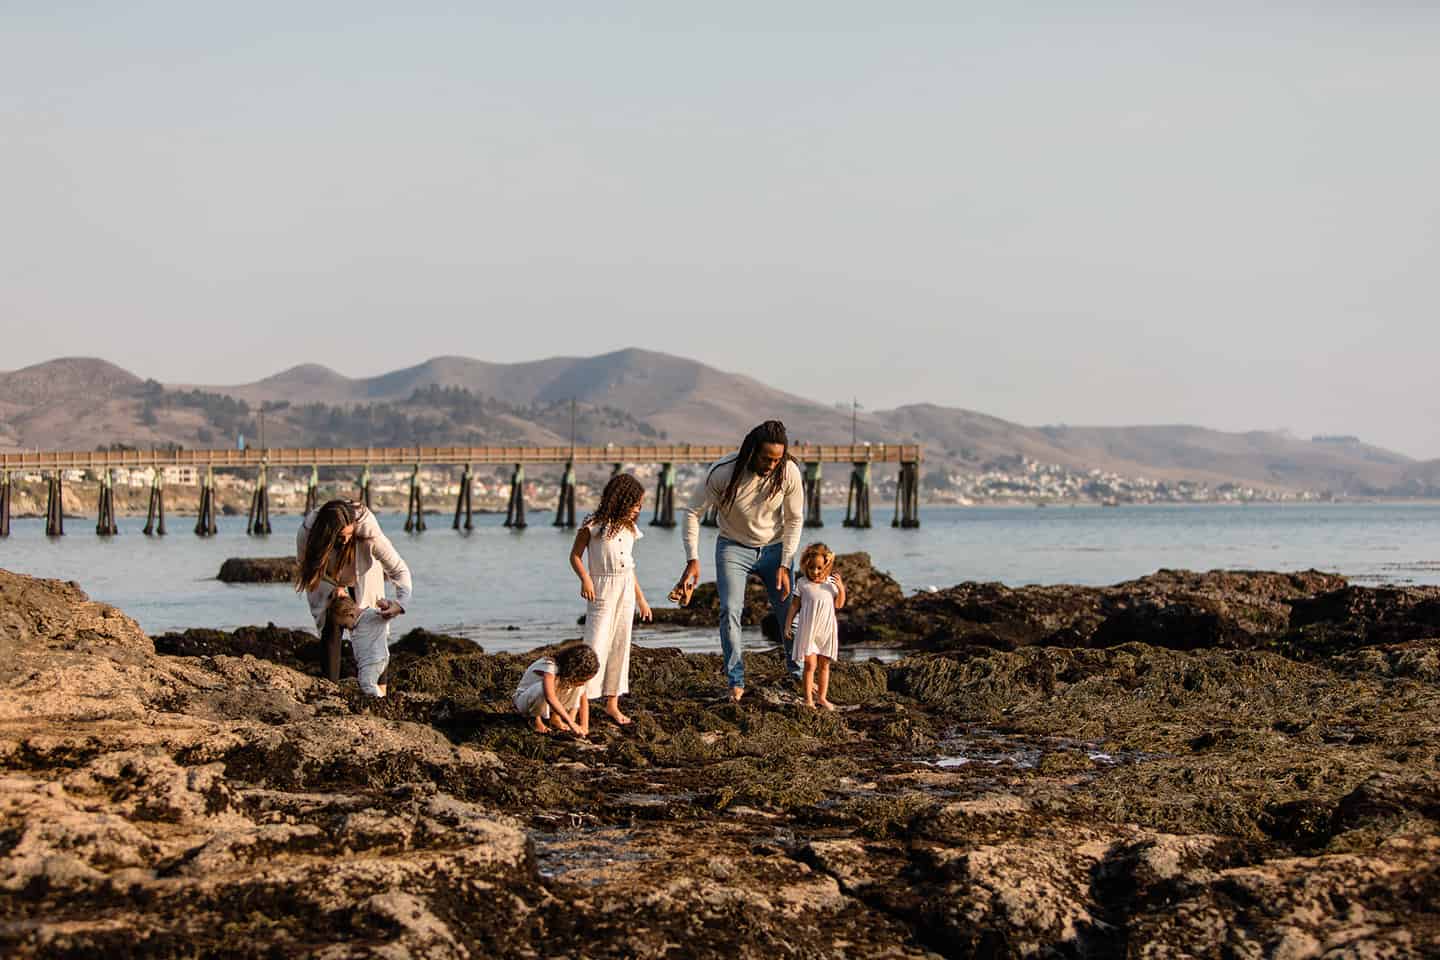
x=620 y=498
x=575 y=663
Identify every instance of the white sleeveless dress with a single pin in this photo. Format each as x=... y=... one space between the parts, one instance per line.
x=611 y=615
x=817 y=631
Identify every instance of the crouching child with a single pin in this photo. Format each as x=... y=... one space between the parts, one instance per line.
x=553 y=688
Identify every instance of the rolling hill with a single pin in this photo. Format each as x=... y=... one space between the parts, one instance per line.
x=637 y=396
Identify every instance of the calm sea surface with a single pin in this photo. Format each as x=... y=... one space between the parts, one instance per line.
x=513 y=590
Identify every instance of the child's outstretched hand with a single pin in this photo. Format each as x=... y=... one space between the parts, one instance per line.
x=646 y=614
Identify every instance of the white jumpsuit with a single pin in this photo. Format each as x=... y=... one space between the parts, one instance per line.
x=817 y=632
x=610 y=616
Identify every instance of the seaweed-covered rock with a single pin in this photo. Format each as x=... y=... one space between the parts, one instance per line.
x=1171 y=608
x=1357 y=617
x=297 y=649
x=259 y=570
x=1177 y=624
x=986 y=615
x=300 y=649
x=1173 y=797
x=866 y=589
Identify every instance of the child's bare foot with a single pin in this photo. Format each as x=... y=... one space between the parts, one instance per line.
x=540 y=727
x=615 y=714
x=736 y=693
x=826 y=704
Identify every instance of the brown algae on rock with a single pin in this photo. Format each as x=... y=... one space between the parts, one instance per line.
x=1262 y=780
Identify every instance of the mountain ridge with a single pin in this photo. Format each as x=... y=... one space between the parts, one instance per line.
x=636 y=395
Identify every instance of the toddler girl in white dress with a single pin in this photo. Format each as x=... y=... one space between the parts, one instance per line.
x=817 y=639
x=608 y=584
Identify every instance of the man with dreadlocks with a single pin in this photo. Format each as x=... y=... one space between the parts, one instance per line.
x=759 y=500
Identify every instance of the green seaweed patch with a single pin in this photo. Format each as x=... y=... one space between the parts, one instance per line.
x=775 y=783
x=882 y=817
x=862 y=682
x=1059 y=763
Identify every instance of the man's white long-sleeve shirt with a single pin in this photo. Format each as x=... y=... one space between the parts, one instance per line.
x=752 y=518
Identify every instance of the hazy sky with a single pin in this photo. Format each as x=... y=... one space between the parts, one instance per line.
x=1096 y=213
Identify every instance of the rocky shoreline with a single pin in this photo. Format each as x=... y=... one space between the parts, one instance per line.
x=1201 y=765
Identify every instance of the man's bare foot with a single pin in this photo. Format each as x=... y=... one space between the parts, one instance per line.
x=540 y=727
x=736 y=693
x=826 y=704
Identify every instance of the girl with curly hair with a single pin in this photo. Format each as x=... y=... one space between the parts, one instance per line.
x=553 y=688
x=611 y=591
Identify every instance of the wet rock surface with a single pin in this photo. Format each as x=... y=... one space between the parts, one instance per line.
x=866 y=589
x=1171 y=608
x=259 y=570
x=1043 y=794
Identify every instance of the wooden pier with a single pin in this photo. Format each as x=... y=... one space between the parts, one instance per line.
x=907 y=458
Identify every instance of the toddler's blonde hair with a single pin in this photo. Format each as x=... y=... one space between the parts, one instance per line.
x=820 y=550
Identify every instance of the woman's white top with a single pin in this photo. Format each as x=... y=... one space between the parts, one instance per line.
x=376 y=560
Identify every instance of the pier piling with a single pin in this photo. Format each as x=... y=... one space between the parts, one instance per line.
x=857 y=502
x=205 y=522
x=259 y=521
x=515 y=512
x=414 y=508
x=105 y=519
x=565 y=507
x=812 y=495
x=156 y=510
x=365 y=486
x=54 y=509
x=462 y=500
x=265 y=500
x=312 y=489
x=907 y=497
x=4 y=503
x=665 y=497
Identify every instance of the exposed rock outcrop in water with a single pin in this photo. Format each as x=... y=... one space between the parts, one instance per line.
x=259 y=570
x=1076 y=800
x=1172 y=608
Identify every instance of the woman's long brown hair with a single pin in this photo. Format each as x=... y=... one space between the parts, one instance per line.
x=323 y=549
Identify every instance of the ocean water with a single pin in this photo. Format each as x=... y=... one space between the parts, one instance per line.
x=513 y=590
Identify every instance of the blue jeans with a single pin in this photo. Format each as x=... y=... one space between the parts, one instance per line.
x=734 y=562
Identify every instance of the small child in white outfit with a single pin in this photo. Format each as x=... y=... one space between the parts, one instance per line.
x=817 y=641
x=609 y=586
x=553 y=688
